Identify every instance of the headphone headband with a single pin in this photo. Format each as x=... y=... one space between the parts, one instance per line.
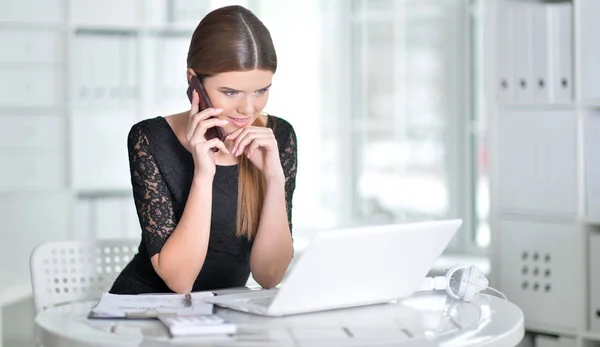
x=461 y=282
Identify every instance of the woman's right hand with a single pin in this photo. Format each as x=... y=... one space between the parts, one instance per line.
x=201 y=149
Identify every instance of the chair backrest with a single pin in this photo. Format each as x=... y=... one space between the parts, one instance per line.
x=65 y=271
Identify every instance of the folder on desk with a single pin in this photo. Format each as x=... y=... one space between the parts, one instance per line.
x=150 y=305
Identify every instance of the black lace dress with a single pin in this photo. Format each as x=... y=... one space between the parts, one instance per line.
x=161 y=175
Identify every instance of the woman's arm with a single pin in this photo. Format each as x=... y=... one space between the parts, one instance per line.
x=183 y=254
x=272 y=250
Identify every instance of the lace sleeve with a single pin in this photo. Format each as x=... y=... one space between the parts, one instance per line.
x=151 y=195
x=289 y=160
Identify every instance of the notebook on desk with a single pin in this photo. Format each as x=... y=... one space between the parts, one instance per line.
x=150 y=305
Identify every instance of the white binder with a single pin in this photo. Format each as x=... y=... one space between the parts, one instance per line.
x=81 y=73
x=128 y=72
x=505 y=53
x=172 y=85
x=592 y=164
x=594 y=271
x=589 y=48
x=105 y=12
x=539 y=45
x=187 y=12
x=111 y=79
x=522 y=78
x=156 y=13
x=561 y=51
x=96 y=60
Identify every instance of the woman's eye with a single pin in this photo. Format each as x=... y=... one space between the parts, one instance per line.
x=230 y=93
x=262 y=91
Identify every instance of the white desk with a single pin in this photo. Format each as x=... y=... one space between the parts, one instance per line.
x=425 y=319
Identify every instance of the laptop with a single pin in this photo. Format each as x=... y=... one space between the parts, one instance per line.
x=352 y=267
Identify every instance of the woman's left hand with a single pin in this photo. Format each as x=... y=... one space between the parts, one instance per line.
x=260 y=146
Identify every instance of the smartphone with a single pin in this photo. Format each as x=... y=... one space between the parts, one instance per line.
x=203 y=104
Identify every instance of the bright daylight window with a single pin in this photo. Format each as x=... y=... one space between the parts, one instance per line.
x=381 y=95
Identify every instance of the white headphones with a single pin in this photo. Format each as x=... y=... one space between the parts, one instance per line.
x=461 y=282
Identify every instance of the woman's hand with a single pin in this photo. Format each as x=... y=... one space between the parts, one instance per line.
x=201 y=149
x=260 y=146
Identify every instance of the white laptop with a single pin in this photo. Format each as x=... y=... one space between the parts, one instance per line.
x=352 y=267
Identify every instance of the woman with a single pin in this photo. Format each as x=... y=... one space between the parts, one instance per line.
x=213 y=211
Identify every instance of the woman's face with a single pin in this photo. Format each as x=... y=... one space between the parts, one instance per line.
x=241 y=94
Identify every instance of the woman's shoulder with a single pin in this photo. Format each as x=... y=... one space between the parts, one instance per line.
x=147 y=126
x=151 y=130
x=153 y=134
x=281 y=127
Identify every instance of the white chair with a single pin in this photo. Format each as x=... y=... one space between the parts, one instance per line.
x=66 y=271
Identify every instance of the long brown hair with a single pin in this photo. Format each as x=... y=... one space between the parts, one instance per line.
x=227 y=39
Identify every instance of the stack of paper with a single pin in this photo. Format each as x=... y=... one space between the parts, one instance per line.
x=150 y=305
x=209 y=324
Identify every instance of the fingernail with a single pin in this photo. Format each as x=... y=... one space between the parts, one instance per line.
x=218 y=109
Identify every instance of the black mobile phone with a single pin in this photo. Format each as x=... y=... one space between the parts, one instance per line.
x=203 y=104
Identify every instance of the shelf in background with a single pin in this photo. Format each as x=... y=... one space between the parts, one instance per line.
x=104 y=193
x=106 y=29
x=591 y=103
x=541 y=328
x=591 y=335
x=14 y=293
x=537 y=107
x=591 y=221
x=33 y=26
x=178 y=29
x=33 y=111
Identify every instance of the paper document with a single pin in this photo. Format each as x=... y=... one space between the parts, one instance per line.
x=150 y=305
x=208 y=324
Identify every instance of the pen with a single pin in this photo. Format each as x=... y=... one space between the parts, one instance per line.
x=188 y=300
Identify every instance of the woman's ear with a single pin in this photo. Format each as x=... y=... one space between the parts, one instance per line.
x=190 y=74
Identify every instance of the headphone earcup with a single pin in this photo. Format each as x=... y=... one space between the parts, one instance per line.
x=464 y=291
x=454 y=281
x=463 y=282
x=470 y=284
x=476 y=283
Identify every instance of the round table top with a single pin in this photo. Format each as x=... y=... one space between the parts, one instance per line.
x=424 y=319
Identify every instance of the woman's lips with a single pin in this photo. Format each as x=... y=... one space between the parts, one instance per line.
x=240 y=121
